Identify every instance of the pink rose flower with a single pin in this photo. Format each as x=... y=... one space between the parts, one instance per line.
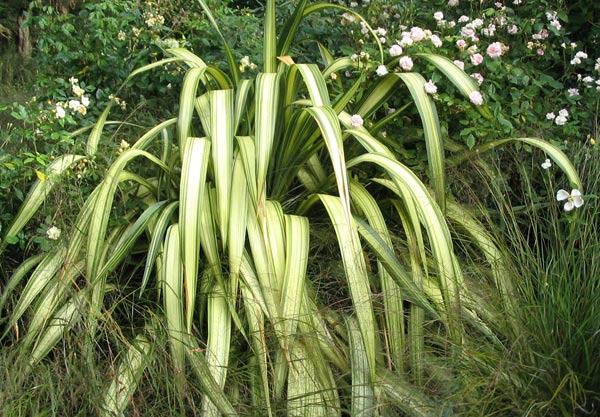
x=495 y=50
x=406 y=63
x=417 y=34
x=476 y=59
x=356 y=120
x=478 y=77
x=395 y=50
x=476 y=98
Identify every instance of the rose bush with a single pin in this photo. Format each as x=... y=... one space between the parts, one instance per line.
x=522 y=54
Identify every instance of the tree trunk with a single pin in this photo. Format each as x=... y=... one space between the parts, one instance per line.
x=24 y=39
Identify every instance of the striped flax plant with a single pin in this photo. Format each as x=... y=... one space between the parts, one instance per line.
x=223 y=224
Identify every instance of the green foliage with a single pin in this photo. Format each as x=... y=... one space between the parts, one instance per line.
x=105 y=41
x=37 y=133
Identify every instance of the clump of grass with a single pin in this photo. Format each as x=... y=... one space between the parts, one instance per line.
x=546 y=365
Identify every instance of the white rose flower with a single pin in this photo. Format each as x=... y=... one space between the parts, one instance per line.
x=53 y=233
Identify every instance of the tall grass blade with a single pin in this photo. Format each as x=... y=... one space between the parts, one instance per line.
x=54 y=294
x=356 y=274
x=173 y=297
x=267 y=98
x=129 y=237
x=228 y=53
x=255 y=312
x=392 y=265
x=221 y=136
x=363 y=399
x=408 y=399
x=238 y=217
x=96 y=133
x=296 y=260
x=206 y=379
x=558 y=156
x=218 y=343
x=290 y=29
x=304 y=397
x=433 y=135
x=187 y=98
x=158 y=231
x=16 y=277
x=465 y=83
x=496 y=259
x=294 y=275
x=193 y=183
x=45 y=272
x=66 y=317
x=418 y=267
x=392 y=292
x=270 y=38
x=242 y=93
